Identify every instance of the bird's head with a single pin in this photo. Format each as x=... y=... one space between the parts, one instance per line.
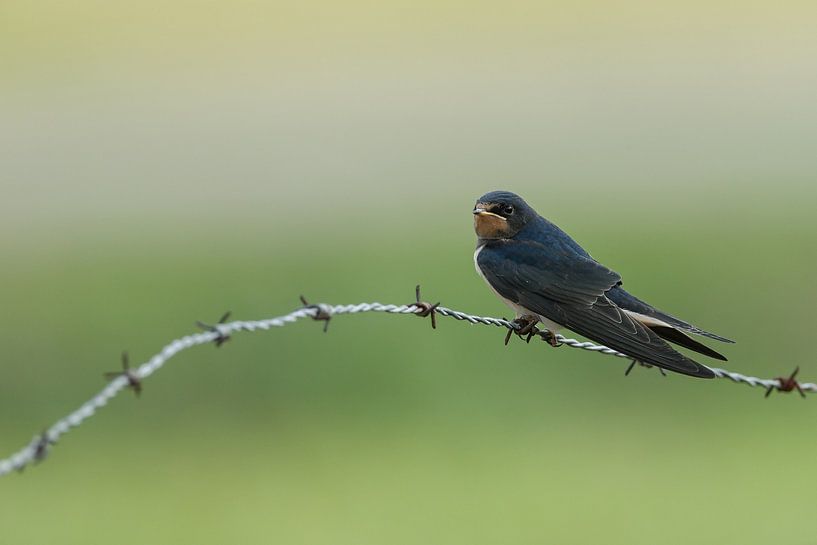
x=501 y=214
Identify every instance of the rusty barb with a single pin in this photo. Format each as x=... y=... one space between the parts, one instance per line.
x=787 y=384
x=41 y=447
x=424 y=308
x=524 y=329
x=134 y=382
x=322 y=312
x=221 y=336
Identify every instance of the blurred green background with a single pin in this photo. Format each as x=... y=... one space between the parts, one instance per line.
x=165 y=161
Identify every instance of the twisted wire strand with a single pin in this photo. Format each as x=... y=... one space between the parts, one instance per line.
x=38 y=447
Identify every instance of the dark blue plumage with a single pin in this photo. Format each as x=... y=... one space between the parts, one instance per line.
x=538 y=270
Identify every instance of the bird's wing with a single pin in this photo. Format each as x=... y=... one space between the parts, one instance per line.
x=561 y=275
x=570 y=290
x=632 y=303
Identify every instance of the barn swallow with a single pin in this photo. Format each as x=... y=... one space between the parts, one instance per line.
x=546 y=277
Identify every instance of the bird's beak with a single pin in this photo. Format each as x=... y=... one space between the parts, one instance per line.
x=480 y=210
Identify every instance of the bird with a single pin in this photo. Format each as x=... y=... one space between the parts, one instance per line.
x=547 y=277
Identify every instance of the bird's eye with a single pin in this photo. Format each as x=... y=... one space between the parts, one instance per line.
x=508 y=209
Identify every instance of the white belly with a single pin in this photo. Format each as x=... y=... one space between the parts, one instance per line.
x=549 y=324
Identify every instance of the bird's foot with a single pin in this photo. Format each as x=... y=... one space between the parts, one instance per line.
x=642 y=364
x=526 y=328
x=551 y=338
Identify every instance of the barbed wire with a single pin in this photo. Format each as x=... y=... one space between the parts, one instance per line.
x=132 y=378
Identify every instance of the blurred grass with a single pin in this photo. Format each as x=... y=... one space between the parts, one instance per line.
x=383 y=430
x=165 y=161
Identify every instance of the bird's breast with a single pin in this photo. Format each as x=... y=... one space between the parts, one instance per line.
x=516 y=308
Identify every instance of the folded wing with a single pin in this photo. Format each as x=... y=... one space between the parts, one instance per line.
x=570 y=289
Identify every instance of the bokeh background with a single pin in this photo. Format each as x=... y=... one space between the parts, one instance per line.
x=163 y=162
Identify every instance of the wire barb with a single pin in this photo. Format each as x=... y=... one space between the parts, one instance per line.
x=221 y=336
x=42 y=446
x=134 y=383
x=37 y=449
x=425 y=309
x=525 y=328
x=787 y=384
x=322 y=313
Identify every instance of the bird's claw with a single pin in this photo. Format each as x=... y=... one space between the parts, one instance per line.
x=551 y=338
x=642 y=364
